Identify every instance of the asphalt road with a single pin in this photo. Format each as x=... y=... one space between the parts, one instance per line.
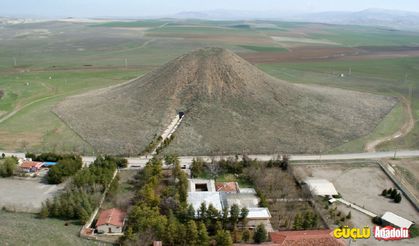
x=139 y=162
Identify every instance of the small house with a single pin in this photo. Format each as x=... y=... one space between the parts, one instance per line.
x=30 y=166
x=111 y=221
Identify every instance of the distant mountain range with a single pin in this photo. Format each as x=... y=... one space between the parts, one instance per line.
x=370 y=17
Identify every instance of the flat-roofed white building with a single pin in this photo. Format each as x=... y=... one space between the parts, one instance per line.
x=197 y=198
x=321 y=187
x=395 y=220
x=201 y=185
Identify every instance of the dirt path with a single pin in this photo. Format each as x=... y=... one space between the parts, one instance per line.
x=19 y=108
x=403 y=131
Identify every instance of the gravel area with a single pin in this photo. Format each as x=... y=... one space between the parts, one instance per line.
x=25 y=195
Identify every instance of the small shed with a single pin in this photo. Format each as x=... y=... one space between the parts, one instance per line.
x=111 y=221
x=395 y=220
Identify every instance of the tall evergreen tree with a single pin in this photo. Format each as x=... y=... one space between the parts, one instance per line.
x=223 y=238
x=203 y=238
x=192 y=233
x=234 y=214
x=260 y=235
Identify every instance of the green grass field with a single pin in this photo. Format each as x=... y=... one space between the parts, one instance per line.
x=26 y=229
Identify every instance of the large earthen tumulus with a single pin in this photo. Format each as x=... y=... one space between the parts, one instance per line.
x=231 y=107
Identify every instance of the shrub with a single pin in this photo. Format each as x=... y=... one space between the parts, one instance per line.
x=393 y=193
x=377 y=220
x=398 y=198
x=8 y=167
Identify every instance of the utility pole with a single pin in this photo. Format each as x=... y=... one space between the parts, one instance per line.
x=126 y=63
x=350 y=71
x=14 y=61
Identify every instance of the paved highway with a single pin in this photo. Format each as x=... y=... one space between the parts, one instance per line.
x=138 y=162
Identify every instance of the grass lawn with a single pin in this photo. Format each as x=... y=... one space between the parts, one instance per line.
x=26 y=229
x=229 y=177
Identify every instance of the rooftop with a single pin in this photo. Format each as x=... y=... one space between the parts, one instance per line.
x=247 y=200
x=396 y=220
x=111 y=216
x=201 y=185
x=31 y=164
x=196 y=198
x=258 y=213
x=227 y=187
x=308 y=237
x=321 y=187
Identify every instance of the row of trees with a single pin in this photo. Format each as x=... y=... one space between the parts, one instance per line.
x=307 y=220
x=64 y=168
x=50 y=157
x=8 y=166
x=234 y=165
x=165 y=143
x=393 y=194
x=162 y=212
x=149 y=148
x=83 y=193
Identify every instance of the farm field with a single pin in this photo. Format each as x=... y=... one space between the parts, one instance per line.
x=26 y=229
x=80 y=57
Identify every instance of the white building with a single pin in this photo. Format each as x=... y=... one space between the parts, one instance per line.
x=321 y=187
x=395 y=220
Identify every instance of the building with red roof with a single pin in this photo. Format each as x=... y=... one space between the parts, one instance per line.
x=232 y=187
x=111 y=221
x=30 y=166
x=306 y=238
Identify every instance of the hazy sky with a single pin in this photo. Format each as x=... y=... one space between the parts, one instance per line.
x=92 y=8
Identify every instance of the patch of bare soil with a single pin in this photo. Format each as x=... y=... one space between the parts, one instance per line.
x=325 y=53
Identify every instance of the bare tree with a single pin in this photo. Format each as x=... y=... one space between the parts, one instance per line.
x=214 y=168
